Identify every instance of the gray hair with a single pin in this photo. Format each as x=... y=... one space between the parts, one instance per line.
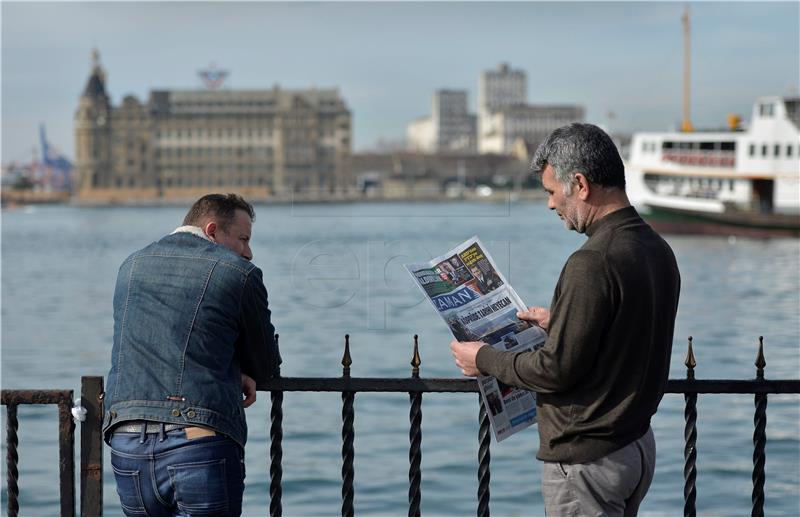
x=583 y=148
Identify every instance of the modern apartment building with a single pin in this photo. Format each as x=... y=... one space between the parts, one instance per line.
x=500 y=88
x=449 y=128
x=505 y=117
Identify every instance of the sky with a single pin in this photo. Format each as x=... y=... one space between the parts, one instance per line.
x=387 y=58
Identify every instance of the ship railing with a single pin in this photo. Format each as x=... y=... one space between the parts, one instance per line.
x=91 y=472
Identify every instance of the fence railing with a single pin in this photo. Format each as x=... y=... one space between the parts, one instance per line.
x=92 y=452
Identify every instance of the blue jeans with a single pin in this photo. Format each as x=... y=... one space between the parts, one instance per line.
x=170 y=475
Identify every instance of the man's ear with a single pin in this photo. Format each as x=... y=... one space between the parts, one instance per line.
x=584 y=188
x=211 y=230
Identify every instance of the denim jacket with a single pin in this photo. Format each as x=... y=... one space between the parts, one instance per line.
x=190 y=316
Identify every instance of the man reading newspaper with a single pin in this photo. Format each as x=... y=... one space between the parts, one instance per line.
x=603 y=368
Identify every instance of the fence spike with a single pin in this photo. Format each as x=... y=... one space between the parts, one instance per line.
x=346 y=360
x=690 y=361
x=416 y=360
x=760 y=361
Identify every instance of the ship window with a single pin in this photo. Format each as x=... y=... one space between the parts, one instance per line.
x=766 y=110
x=752 y=149
x=763 y=150
x=706 y=146
x=788 y=150
x=777 y=150
x=667 y=145
x=728 y=146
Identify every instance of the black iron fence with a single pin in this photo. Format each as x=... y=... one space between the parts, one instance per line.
x=348 y=386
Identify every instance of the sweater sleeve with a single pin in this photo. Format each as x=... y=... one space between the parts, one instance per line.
x=579 y=315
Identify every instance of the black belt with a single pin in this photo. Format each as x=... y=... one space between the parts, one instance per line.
x=150 y=427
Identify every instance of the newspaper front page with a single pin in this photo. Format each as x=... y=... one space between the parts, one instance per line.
x=477 y=303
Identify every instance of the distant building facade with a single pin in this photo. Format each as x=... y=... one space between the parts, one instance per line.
x=505 y=117
x=502 y=129
x=182 y=143
x=421 y=135
x=501 y=88
x=450 y=128
x=425 y=175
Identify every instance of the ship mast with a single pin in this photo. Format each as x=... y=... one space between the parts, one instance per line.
x=686 y=126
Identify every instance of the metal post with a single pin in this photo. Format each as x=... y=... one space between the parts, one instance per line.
x=92 y=447
x=66 y=455
x=415 y=438
x=276 y=451
x=759 y=436
x=348 y=435
x=484 y=439
x=690 y=437
x=12 y=458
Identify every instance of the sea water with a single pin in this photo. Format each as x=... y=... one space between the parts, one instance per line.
x=336 y=269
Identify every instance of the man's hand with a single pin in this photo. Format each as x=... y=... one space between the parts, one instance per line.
x=464 y=352
x=249 y=390
x=536 y=315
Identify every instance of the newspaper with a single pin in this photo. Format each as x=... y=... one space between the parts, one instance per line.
x=477 y=303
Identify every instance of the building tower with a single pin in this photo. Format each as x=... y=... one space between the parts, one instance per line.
x=93 y=133
x=454 y=127
x=501 y=88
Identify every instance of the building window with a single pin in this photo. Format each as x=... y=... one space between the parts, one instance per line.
x=763 y=150
x=788 y=150
x=777 y=150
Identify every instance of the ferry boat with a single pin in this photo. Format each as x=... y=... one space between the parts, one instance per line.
x=734 y=182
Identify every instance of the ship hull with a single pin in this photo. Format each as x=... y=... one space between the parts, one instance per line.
x=743 y=224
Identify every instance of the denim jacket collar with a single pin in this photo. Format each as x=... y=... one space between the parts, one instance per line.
x=195 y=230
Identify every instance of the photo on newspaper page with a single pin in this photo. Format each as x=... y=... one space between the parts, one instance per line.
x=477 y=303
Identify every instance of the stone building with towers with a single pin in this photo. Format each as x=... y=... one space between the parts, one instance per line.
x=180 y=144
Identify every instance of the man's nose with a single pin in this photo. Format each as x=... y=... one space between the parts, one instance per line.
x=247 y=252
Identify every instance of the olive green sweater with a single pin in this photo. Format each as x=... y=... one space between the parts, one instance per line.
x=603 y=369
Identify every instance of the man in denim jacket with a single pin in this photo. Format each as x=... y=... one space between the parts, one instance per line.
x=192 y=335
